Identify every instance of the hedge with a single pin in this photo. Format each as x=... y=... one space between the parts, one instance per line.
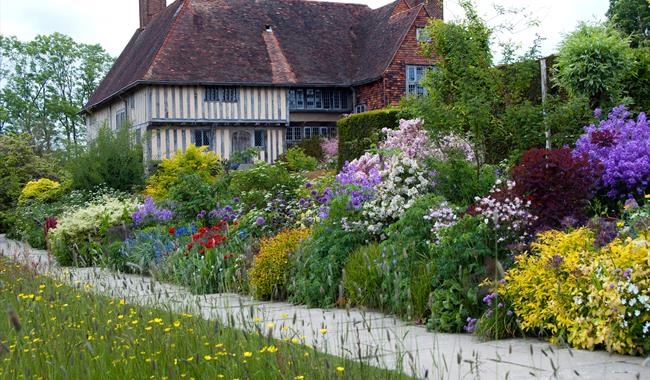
x=358 y=132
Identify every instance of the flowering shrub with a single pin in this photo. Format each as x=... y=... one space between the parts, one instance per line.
x=403 y=180
x=505 y=213
x=441 y=217
x=330 y=149
x=589 y=297
x=42 y=190
x=410 y=139
x=200 y=161
x=268 y=276
x=620 y=145
x=454 y=146
x=148 y=212
x=75 y=238
x=558 y=184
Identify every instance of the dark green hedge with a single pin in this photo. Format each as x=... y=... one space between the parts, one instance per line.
x=358 y=132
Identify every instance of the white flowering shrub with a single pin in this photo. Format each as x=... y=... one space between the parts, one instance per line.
x=77 y=229
x=403 y=180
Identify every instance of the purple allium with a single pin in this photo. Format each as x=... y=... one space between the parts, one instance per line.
x=149 y=211
x=260 y=221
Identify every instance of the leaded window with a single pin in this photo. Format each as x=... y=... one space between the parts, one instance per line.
x=202 y=137
x=414 y=75
x=221 y=94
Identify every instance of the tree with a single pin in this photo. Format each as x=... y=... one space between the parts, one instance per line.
x=45 y=83
x=594 y=62
x=632 y=18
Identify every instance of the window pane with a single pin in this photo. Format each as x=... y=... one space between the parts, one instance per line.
x=310 y=98
x=307 y=133
x=292 y=99
x=327 y=99
x=260 y=140
x=289 y=134
x=297 y=133
x=336 y=100
x=300 y=99
x=318 y=101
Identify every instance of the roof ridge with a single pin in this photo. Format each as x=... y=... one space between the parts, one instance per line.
x=169 y=32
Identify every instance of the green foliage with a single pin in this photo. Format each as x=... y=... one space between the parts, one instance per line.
x=637 y=83
x=46 y=83
x=19 y=164
x=593 y=62
x=317 y=268
x=298 y=161
x=412 y=231
x=363 y=276
x=112 y=159
x=359 y=132
x=206 y=164
x=631 y=18
x=312 y=147
x=252 y=185
x=191 y=194
x=460 y=266
x=458 y=182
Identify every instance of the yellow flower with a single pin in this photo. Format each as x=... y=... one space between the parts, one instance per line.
x=207 y=358
x=647 y=196
x=177 y=323
x=122 y=302
x=323 y=331
x=340 y=369
x=248 y=354
x=272 y=349
x=300 y=377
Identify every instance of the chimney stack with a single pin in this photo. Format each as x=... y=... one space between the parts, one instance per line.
x=150 y=9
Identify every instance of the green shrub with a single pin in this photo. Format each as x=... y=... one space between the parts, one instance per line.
x=268 y=276
x=206 y=164
x=358 y=132
x=459 y=181
x=363 y=276
x=317 y=269
x=143 y=251
x=252 y=185
x=593 y=62
x=312 y=147
x=412 y=231
x=298 y=161
x=191 y=194
x=460 y=267
x=112 y=159
x=19 y=164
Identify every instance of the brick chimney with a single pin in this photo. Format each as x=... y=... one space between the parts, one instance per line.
x=149 y=9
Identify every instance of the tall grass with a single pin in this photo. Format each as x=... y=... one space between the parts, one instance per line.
x=54 y=331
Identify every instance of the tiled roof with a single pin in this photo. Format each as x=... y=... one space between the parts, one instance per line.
x=226 y=42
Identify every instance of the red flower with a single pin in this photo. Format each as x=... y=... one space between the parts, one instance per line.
x=189 y=246
x=202 y=252
x=203 y=229
x=172 y=230
x=215 y=228
x=185 y=254
x=235 y=223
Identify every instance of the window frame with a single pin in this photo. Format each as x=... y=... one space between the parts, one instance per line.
x=205 y=133
x=221 y=94
x=419 y=72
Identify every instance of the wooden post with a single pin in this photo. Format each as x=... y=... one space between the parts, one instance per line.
x=547 y=130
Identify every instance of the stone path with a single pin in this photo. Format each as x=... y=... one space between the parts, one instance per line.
x=372 y=337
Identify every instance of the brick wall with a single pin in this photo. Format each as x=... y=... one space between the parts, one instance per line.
x=392 y=87
x=372 y=95
x=408 y=54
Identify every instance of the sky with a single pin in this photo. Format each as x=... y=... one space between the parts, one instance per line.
x=111 y=23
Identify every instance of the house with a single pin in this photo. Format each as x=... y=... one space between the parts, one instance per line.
x=235 y=74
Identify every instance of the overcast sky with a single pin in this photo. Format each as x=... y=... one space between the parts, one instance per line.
x=112 y=22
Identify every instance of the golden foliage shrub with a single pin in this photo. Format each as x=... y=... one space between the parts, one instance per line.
x=268 y=276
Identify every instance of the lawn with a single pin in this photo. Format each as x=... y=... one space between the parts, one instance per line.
x=54 y=331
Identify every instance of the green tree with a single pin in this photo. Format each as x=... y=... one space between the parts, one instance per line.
x=632 y=18
x=45 y=82
x=112 y=159
x=594 y=62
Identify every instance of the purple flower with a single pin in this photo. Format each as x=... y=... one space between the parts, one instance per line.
x=509 y=313
x=308 y=185
x=620 y=147
x=149 y=211
x=260 y=221
x=500 y=305
x=471 y=325
x=627 y=273
x=489 y=298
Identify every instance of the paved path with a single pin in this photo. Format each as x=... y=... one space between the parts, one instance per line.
x=369 y=336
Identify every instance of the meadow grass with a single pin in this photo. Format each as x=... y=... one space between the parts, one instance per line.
x=54 y=331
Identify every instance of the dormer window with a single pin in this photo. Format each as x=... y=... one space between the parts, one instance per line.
x=221 y=94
